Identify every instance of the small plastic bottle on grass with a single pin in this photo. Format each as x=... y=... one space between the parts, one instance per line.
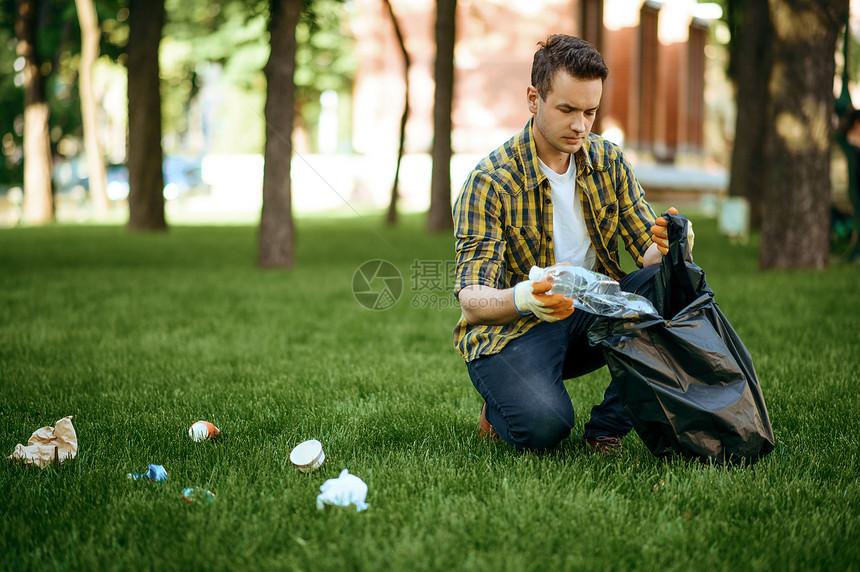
x=198 y=495
x=153 y=473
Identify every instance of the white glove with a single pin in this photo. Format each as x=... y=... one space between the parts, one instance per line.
x=691 y=238
x=531 y=298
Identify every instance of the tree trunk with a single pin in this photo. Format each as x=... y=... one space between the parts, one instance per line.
x=145 y=155
x=276 y=220
x=440 y=184
x=392 y=205
x=751 y=60
x=90 y=39
x=796 y=217
x=38 y=202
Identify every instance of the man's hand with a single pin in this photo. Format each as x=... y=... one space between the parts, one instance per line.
x=660 y=233
x=532 y=297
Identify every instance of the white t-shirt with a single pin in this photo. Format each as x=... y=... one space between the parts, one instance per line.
x=569 y=235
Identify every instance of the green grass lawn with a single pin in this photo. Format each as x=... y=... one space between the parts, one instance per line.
x=139 y=336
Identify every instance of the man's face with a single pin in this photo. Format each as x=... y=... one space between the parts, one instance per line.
x=564 y=119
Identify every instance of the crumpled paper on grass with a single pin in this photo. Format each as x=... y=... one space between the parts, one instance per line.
x=49 y=445
x=343 y=491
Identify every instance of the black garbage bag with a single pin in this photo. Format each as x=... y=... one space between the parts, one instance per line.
x=686 y=380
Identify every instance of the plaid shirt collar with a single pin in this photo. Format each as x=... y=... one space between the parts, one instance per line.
x=525 y=149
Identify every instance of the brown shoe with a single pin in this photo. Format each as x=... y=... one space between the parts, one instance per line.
x=485 y=430
x=607 y=445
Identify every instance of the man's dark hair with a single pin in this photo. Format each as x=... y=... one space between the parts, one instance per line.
x=573 y=55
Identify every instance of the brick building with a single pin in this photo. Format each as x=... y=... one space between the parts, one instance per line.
x=655 y=52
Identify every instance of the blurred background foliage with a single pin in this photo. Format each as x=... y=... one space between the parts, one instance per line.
x=212 y=55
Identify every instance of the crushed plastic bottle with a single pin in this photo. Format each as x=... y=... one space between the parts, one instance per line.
x=198 y=495
x=153 y=473
x=593 y=292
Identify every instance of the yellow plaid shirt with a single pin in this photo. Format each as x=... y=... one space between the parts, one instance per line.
x=503 y=224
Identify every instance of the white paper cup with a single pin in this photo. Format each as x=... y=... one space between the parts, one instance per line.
x=308 y=456
x=203 y=430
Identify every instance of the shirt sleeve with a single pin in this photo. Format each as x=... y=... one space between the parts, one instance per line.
x=635 y=215
x=478 y=230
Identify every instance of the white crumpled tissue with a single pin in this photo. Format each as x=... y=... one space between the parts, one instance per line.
x=49 y=445
x=343 y=491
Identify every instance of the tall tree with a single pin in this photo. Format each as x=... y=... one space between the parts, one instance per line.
x=440 y=183
x=796 y=214
x=276 y=220
x=145 y=154
x=392 y=205
x=38 y=203
x=749 y=21
x=90 y=40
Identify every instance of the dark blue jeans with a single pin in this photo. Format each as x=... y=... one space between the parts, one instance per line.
x=523 y=385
